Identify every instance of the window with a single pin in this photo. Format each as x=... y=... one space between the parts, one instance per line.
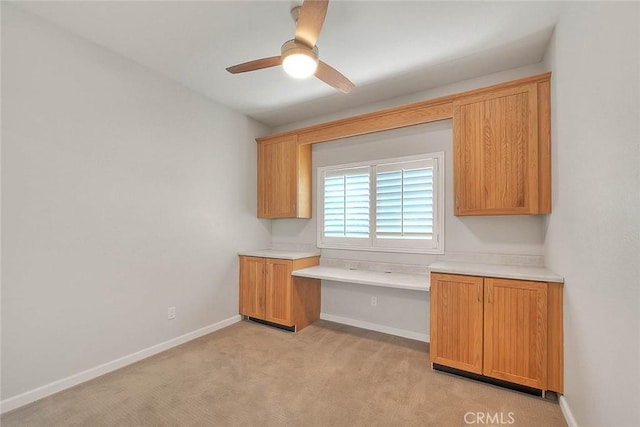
x=390 y=205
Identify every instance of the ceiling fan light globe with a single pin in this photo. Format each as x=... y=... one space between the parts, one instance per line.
x=300 y=65
x=299 y=60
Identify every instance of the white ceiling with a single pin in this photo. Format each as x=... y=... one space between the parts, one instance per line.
x=387 y=48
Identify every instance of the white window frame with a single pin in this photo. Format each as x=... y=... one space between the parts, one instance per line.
x=425 y=246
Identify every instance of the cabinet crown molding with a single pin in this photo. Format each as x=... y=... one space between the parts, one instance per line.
x=430 y=110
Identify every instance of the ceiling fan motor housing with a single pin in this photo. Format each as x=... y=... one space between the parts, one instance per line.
x=292 y=47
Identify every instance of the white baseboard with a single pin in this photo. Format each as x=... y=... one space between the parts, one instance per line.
x=566 y=411
x=75 y=379
x=376 y=327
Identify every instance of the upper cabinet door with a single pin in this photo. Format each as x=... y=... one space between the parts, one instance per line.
x=498 y=138
x=284 y=178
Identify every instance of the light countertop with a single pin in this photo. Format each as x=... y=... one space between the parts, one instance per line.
x=416 y=282
x=280 y=254
x=540 y=274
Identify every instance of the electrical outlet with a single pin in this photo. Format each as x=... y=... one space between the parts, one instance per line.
x=374 y=301
x=171 y=313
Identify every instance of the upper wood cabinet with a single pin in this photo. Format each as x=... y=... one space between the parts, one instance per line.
x=284 y=178
x=501 y=150
x=501 y=145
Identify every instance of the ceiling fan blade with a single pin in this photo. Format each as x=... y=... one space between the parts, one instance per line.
x=258 y=64
x=310 y=21
x=333 y=77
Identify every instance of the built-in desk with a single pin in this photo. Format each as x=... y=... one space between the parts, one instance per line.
x=415 y=282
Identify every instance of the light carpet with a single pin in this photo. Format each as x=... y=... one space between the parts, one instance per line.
x=254 y=375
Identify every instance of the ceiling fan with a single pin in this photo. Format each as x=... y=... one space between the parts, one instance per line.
x=299 y=56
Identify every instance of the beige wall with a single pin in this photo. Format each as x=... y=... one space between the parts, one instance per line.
x=593 y=234
x=122 y=194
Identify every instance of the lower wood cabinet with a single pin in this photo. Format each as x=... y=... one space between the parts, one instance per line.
x=510 y=330
x=269 y=292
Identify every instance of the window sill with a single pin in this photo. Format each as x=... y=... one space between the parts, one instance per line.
x=426 y=251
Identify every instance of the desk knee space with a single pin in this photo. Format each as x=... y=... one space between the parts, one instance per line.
x=414 y=282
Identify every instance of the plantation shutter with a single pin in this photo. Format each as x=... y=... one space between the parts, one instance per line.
x=404 y=200
x=346 y=203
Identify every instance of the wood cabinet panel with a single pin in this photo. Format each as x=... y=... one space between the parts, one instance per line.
x=278 y=291
x=496 y=152
x=515 y=331
x=305 y=301
x=544 y=147
x=284 y=178
x=252 y=287
x=555 y=339
x=456 y=321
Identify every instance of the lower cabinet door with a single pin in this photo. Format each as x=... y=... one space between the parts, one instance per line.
x=456 y=321
x=252 y=287
x=278 y=291
x=515 y=331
